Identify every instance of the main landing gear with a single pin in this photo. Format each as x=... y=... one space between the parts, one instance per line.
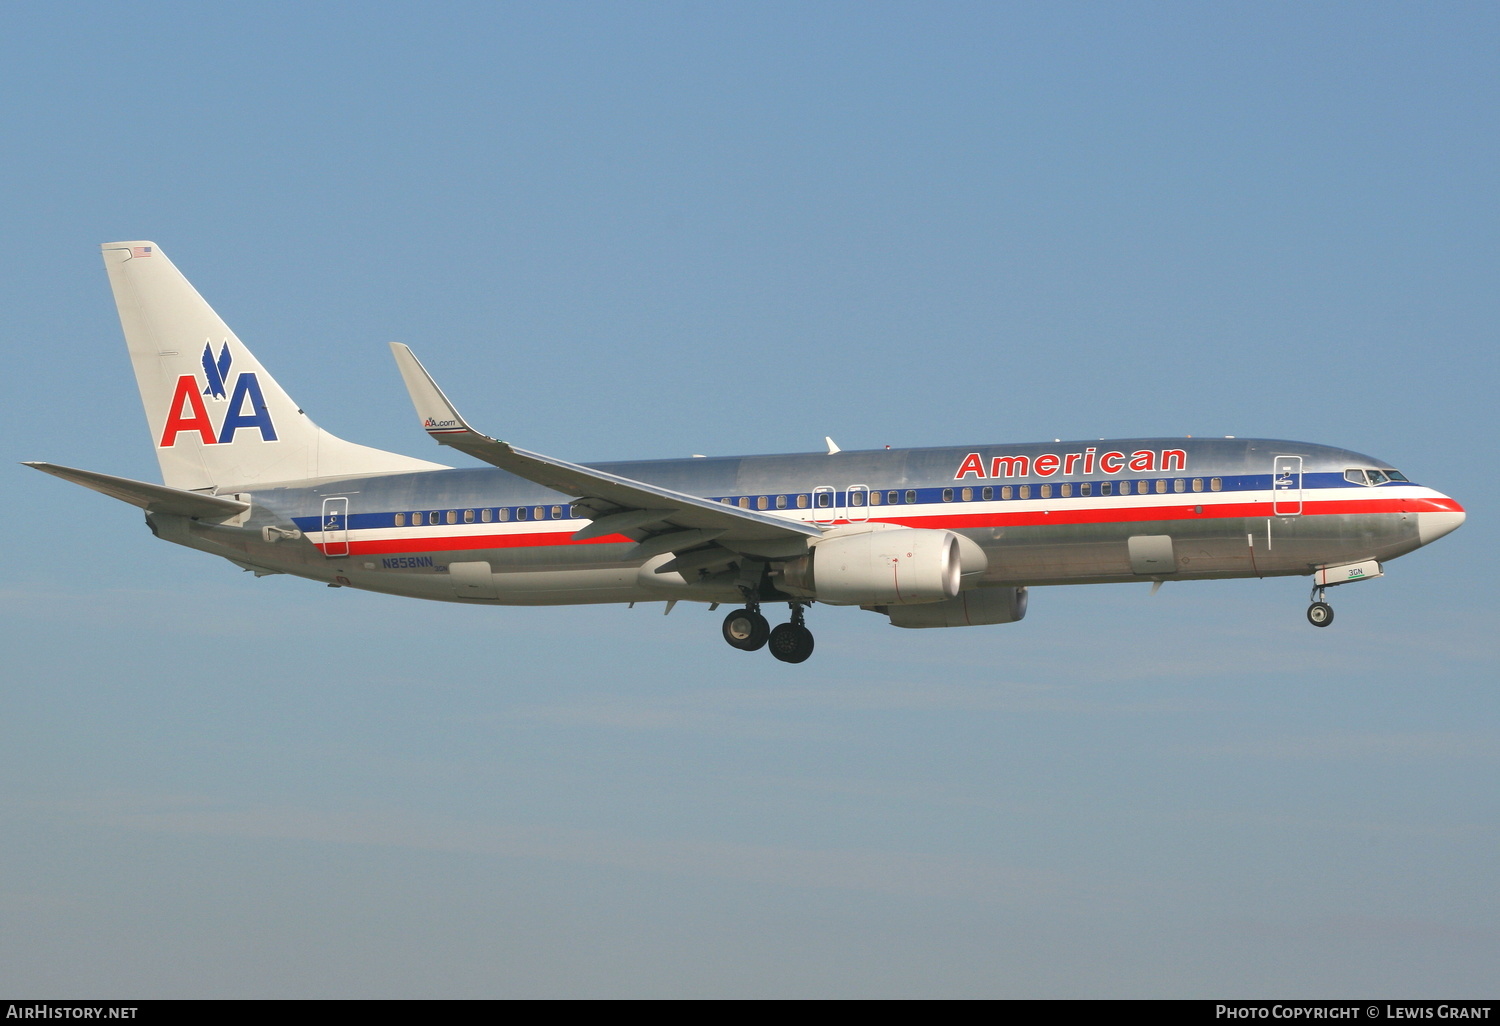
x=747 y=630
x=1320 y=613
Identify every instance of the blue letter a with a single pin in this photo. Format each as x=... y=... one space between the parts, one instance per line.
x=247 y=389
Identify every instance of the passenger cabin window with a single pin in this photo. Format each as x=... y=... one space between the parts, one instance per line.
x=802 y=502
x=1216 y=484
x=762 y=502
x=1046 y=491
x=1025 y=491
x=451 y=517
x=1106 y=487
x=744 y=502
x=1007 y=491
x=947 y=494
x=911 y=495
x=520 y=512
x=1087 y=488
x=968 y=495
x=876 y=498
x=400 y=519
x=986 y=494
x=781 y=502
x=504 y=515
x=556 y=512
x=468 y=516
x=1197 y=484
x=1065 y=490
x=486 y=515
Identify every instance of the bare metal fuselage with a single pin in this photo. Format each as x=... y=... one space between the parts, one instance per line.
x=941 y=537
x=1228 y=508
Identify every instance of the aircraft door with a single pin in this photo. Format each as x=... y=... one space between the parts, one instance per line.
x=825 y=509
x=1286 y=486
x=335 y=526
x=857 y=504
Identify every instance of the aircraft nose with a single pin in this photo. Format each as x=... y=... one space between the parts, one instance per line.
x=1433 y=524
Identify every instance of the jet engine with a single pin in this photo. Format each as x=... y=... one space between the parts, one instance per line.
x=971 y=609
x=897 y=566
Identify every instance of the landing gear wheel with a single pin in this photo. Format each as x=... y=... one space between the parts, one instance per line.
x=746 y=629
x=791 y=643
x=1320 y=614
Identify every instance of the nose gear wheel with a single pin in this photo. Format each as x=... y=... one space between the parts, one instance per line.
x=1320 y=613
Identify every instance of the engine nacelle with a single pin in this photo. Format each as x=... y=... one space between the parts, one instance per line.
x=971 y=609
x=898 y=566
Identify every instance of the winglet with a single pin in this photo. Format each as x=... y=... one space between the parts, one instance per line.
x=437 y=413
x=439 y=417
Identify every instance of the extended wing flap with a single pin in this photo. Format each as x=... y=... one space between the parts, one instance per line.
x=153 y=498
x=443 y=422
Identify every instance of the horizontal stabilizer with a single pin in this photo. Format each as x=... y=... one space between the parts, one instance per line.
x=153 y=498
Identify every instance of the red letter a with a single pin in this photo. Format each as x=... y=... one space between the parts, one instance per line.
x=970 y=465
x=177 y=419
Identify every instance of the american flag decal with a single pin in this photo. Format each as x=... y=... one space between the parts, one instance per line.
x=140 y=251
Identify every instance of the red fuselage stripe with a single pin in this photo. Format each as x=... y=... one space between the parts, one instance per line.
x=1176 y=510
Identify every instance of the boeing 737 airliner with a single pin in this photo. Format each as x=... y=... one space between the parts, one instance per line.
x=941 y=537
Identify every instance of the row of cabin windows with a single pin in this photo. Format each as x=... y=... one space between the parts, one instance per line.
x=486 y=516
x=1046 y=491
x=824 y=500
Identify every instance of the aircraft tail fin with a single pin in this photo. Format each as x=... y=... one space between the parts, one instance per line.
x=217 y=418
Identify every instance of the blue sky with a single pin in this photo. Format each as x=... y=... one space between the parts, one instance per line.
x=646 y=230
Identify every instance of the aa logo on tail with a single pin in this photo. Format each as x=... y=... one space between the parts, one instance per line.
x=215 y=370
x=245 y=407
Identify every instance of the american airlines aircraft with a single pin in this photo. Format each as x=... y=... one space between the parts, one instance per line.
x=939 y=537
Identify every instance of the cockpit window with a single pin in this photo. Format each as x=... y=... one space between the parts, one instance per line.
x=1371 y=478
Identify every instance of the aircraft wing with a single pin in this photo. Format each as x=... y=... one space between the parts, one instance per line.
x=675 y=521
x=153 y=498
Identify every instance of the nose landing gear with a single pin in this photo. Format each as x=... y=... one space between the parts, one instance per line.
x=1320 y=613
x=746 y=629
